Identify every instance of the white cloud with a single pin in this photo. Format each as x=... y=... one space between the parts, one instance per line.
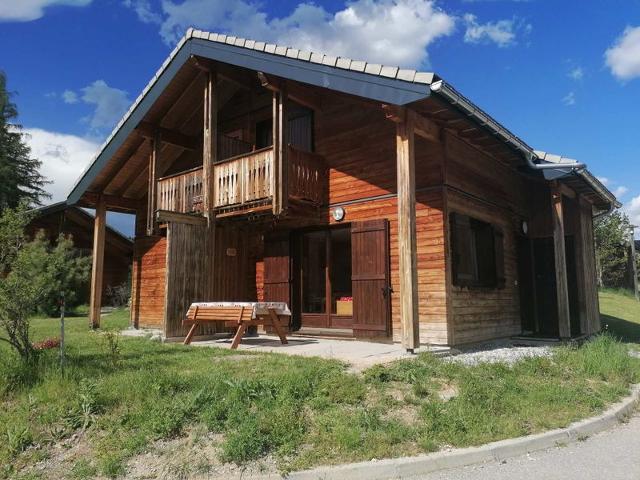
x=620 y=191
x=605 y=181
x=501 y=32
x=633 y=210
x=144 y=11
x=576 y=73
x=27 y=10
x=110 y=104
x=569 y=99
x=386 y=31
x=63 y=157
x=623 y=58
x=69 y=96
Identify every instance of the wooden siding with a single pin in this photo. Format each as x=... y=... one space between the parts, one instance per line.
x=483 y=188
x=148 y=282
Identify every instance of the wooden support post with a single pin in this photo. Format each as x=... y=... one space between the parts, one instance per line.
x=562 y=289
x=209 y=148
x=405 y=157
x=153 y=184
x=283 y=143
x=97 y=263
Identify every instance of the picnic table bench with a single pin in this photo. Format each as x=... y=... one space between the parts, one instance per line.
x=238 y=314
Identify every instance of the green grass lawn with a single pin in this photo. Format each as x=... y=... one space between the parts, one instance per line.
x=301 y=411
x=621 y=314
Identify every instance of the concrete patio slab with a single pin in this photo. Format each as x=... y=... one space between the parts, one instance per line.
x=359 y=354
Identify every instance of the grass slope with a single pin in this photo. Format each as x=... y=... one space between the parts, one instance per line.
x=302 y=411
x=621 y=314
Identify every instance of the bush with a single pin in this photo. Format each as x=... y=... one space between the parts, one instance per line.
x=34 y=276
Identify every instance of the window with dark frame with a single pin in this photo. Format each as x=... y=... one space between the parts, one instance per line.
x=477 y=253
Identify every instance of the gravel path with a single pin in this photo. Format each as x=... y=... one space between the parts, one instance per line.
x=499 y=351
x=611 y=455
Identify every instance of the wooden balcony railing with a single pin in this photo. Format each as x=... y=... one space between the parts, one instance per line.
x=244 y=181
x=181 y=192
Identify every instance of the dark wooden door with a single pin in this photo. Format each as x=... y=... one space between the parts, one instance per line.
x=370 y=278
x=277 y=270
x=545 y=272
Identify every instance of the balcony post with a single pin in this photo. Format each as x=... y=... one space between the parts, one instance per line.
x=280 y=177
x=152 y=200
x=209 y=148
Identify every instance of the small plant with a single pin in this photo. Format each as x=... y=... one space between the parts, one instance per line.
x=18 y=439
x=83 y=412
x=112 y=345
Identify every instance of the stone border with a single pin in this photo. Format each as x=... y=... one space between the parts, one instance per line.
x=397 y=468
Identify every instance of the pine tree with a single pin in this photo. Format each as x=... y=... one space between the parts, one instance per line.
x=20 y=179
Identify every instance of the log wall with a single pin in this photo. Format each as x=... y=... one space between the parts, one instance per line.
x=148 y=282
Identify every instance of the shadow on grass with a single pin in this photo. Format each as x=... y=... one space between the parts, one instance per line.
x=624 y=329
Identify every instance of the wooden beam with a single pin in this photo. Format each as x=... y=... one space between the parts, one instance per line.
x=283 y=143
x=567 y=191
x=172 y=137
x=562 y=289
x=298 y=93
x=407 y=241
x=210 y=144
x=422 y=126
x=112 y=202
x=175 y=217
x=97 y=265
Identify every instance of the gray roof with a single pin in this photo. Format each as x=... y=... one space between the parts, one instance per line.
x=388 y=84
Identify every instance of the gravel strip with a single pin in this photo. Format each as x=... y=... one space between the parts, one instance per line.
x=499 y=351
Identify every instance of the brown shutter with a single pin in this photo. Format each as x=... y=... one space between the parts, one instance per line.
x=277 y=277
x=370 y=278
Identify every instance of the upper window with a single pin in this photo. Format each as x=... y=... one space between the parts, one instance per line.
x=477 y=253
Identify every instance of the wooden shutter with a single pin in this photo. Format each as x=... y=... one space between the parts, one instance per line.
x=370 y=278
x=498 y=242
x=277 y=271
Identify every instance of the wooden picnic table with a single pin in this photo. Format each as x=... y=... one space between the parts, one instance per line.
x=238 y=314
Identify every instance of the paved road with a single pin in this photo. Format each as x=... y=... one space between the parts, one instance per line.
x=611 y=455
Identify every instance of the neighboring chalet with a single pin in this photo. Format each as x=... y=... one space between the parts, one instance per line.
x=74 y=222
x=377 y=202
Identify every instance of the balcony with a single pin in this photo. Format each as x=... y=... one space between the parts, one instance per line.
x=244 y=183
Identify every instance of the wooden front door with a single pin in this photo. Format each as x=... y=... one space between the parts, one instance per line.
x=323 y=278
x=370 y=278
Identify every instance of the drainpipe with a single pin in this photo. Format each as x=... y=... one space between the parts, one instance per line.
x=484 y=120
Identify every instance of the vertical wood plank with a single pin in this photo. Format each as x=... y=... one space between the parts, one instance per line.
x=97 y=265
x=275 y=173
x=562 y=290
x=405 y=158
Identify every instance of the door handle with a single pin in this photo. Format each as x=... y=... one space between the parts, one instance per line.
x=386 y=290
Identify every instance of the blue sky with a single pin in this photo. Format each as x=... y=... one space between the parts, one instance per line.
x=565 y=76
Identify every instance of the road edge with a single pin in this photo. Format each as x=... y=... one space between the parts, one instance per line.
x=496 y=451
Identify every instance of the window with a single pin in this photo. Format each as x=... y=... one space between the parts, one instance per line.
x=477 y=253
x=264 y=133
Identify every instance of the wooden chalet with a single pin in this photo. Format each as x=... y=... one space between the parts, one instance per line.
x=60 y=219
x=377 y=202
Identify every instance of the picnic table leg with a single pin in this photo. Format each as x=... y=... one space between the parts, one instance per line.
x=275 y=321
x=237 y=338
x=192 y=331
